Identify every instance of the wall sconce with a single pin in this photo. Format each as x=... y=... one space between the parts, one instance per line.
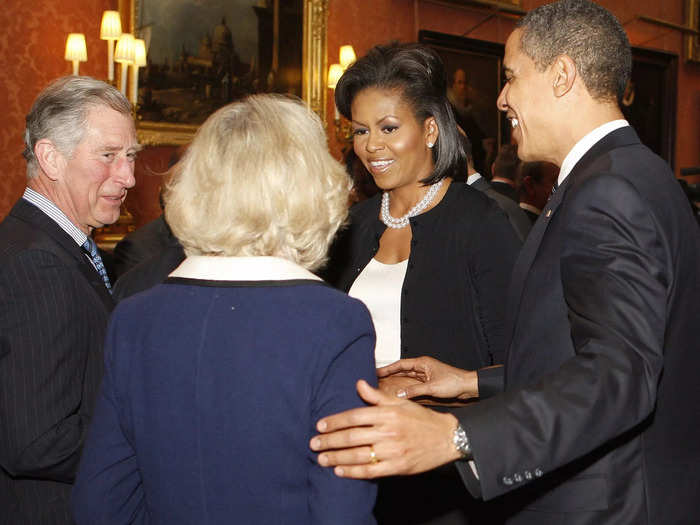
x=139 y=61
x=334 y=74
x=347 y=56
x=124 y=55
x=343 y=130
x=76 y=50
x=110 y=30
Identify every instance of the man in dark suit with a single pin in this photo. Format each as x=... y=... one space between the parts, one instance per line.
x=516 y=216
x=599 y=422
x=505 y=172
x=536 y=182
x=80 y=145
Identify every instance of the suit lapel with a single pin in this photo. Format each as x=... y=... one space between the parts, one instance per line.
x=620 y=137
x=69 y=250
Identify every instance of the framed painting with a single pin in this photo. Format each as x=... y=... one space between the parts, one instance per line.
x=692 y=20
x=205 y=54
x=649 y=101
x=507 y=6
x=474 y=79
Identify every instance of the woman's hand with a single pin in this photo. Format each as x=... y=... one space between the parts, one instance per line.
x=395 y=384
x=430 y=378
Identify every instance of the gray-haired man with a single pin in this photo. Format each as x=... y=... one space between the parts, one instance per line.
x=80 y=146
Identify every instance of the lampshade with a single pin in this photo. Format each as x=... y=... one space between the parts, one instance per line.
x=347 y=56
x=139 y=52
x=334 y=74
x=111 y=27
x=76 y=50
x=124 y=53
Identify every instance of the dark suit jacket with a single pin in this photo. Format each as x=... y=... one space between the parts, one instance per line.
x=600 y=421
x=53 y=315
x=142 y=244
x=531 y=215
x=516 y=215
x=505 y=189
x=150 y=272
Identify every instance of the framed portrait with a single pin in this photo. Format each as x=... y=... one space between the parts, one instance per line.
x=507 y=6
x=474 y=82
x=692 y=20
x=649 y=101
x=205 y=54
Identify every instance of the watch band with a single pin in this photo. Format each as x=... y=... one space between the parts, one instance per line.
x=461 y=442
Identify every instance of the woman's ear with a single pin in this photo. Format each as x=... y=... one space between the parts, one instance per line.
x=431 y=131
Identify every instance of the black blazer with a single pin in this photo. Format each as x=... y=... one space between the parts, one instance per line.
x=453 y=295
x=140 y=245
x=516 y=215
x=53 y=316
x=600 y=422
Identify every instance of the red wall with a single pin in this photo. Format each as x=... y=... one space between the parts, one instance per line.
x=364 y=24
x=33 y=40
x=32 y=43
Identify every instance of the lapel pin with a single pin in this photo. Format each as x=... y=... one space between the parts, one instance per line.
x=549 y=213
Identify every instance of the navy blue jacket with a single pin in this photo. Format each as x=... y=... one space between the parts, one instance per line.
x=211 y=396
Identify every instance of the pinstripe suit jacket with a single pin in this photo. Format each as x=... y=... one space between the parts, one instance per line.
x=53 y=316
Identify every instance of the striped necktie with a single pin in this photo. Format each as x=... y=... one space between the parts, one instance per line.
x=91 y=249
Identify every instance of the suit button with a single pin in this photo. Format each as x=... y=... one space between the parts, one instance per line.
x=517 y=477
x=528 y=475
x=538 y=473
x=507 y=481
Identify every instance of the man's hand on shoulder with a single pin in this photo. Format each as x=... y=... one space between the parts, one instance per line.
x=391 y=437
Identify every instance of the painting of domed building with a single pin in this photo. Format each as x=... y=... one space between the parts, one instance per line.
x=203 y=54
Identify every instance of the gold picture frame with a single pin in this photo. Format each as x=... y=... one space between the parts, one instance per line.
x=313 y=45
x=692 y=41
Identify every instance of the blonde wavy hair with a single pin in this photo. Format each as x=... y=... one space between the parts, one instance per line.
x=258 y=180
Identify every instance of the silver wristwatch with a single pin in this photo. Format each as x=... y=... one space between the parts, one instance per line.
x=461 y=442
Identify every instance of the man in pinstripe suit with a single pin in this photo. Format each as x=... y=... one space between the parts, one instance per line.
x=80 y=146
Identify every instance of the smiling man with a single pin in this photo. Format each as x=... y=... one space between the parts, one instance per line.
x=80 y=147
x=599 y=422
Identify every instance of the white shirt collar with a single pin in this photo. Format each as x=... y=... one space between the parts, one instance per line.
x=215 y=268
x=471 y=179
x=529 y=207
x=586 y=143
x=55 y=214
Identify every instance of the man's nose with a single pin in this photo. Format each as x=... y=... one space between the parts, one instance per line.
x=125 y=172
x=501 y=103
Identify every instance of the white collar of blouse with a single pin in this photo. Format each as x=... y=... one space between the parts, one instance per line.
x=241 y=269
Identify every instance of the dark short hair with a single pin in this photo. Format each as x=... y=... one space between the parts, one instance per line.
x=467 y=147
x=535 y=170
x=417 y=73
x=507 y=162
x=586 y=32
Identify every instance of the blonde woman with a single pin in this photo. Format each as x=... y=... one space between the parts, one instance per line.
x=214 y=379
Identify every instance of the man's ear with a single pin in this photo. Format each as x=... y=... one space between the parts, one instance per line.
x=51 y=161
x=563 y=75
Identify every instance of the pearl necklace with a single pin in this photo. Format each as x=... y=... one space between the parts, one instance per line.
x=402 y=222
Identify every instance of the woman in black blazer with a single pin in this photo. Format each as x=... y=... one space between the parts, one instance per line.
x=429 y=256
